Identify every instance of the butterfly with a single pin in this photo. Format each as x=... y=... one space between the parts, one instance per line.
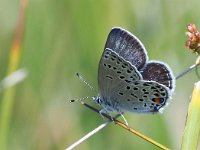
x=128 y=81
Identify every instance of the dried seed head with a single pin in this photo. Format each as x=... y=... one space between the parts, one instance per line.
x=191 y=28
x=193 y=41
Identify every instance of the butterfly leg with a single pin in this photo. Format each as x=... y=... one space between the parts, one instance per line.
x=124 y=119
x=106 y=112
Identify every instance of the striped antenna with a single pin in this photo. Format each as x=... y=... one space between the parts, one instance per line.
x=84 y=81
x=81 y=99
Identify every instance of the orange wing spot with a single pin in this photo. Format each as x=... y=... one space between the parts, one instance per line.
x=157 y=100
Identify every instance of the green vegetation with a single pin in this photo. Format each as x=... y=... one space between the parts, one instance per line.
x=64 y=37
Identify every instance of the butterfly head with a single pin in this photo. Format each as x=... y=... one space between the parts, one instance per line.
x=97 y=100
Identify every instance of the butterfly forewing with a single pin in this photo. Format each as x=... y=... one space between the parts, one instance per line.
x=114 y=71
x=127 y=46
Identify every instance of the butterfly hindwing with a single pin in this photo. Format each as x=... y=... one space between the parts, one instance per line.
x=140 y=96
x=159 y=72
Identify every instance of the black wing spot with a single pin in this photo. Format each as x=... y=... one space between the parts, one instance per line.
x=145 y=84
x=109 y=77
x=119 y=72
x=135 y=108
x=128 y=81
x=114 y=68
x=118 y=62
x=156 y=91
x=141 y=100
x=123 y=66
x=109 y=66
x=134 y=95
x=144 y=90
x=158 y=86
x=163 y=94
x=145 y=96
x=153 y=88
x=114 y=56
x=107 y=52
x=121 y=77
x=112 y=59
x=135 y=88
x=131 y=69
x=136 y=83
x=128 y=87
x=120 y=93
x=128 y=100
x=152 y=104
x=162 y=90
x=162 y=100
x=145 y=105
x=146 y=93
x=156 y=94
x=106 y=56
x=128 y=71
x=155 y=108
x=104 y=65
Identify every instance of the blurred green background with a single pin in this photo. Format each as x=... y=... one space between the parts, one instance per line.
x=64 y=37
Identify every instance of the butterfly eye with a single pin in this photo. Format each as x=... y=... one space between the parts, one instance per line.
x=98 y=100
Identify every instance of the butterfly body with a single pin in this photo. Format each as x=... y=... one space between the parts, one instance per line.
x=127 y=80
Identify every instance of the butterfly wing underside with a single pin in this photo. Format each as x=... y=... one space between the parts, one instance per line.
x=131 y=49
x=141 y=96
x=122 y=88
x=159 y=72
x=113 y=72
x=128 y=46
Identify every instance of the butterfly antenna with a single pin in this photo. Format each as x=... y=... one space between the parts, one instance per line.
x=190 y=69
x=83 y=80
x=81 y=99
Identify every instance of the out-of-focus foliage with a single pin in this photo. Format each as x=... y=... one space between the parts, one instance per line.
x=65 y=37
